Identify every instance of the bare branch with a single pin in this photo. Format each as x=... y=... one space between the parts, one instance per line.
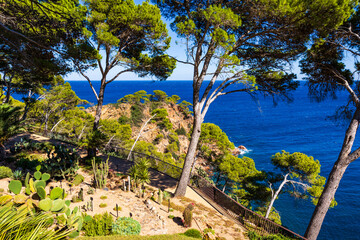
x=118 y=74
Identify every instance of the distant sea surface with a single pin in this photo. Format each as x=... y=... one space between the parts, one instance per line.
x=265 y=129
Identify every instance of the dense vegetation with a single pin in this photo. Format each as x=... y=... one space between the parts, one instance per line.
x=40 y=41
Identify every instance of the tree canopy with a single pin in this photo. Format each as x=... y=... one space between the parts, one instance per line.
x=247 y=45
x=327 y=74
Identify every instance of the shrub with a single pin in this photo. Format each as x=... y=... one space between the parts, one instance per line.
x=5 y=172
x=194 y=233
x=126 y=226
x=103 y=205
x=181 y=131
x=136 y=114
x=62 y=163
x=255 y=236
x=100 y=225
x=124 y=120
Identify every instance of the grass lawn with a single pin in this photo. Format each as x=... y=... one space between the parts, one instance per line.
x=136 y=237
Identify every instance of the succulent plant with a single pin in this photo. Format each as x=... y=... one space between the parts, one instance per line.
x=37 y=175
x=41 y=192
x=58 y=205
x=20 y=199
x=39 y=183
x=46 y=204
x=15 y=186
x=45 y=176
x=56 y=193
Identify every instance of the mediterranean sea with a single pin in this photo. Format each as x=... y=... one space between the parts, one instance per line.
x=265 y=129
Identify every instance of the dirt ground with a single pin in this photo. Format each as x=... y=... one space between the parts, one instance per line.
x=154 y=218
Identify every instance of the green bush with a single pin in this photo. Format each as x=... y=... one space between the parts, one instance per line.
x=124 y=120
x=5 y=172
x=100 y=225
x=136 y=114
x=255 y=236
x=181 y=131
x=194 y=233
x=126 y=226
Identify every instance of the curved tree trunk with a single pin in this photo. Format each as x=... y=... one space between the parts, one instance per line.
x=275 y=196
x=190 y=157
x=333 y=181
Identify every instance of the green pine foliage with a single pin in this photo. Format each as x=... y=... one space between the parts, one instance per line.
x=161 y=118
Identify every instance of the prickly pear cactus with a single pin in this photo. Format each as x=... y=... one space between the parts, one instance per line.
x=20 y=199
x=37 y=175
x=15 y=186
x=46 y=204
x=41 y=192
x=45 y=177
x=56 y=193
x=58 y=205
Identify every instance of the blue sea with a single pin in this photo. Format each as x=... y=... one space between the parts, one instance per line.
x=265 y=129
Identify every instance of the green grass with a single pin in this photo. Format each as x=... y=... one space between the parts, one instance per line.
x=155 y=237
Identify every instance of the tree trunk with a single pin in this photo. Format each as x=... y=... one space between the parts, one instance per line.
x=138 y=136
x=333 y=180
x=327 y=196
x=46 y=122
x=8 y=92
x=275 y=196
x=190 y=157
x=99 y=106
x=27 y=102
x=92 y=151
x=224 y=187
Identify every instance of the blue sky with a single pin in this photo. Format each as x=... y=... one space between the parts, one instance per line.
x=177 y=50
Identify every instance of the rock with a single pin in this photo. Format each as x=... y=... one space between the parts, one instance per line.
x=242 y=147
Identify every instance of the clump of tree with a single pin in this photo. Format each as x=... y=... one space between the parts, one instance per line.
x=129 y=38
x=328 y=74
x=244 y=52
x=300 y=176
x=50 y=108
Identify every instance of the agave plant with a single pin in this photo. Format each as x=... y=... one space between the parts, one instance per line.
x=140 y=172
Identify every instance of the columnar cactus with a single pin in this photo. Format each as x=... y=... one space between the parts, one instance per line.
x=187 y=214
x=160 y=196
x=100 y=173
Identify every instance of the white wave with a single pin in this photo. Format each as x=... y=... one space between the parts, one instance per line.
x=244 y=151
